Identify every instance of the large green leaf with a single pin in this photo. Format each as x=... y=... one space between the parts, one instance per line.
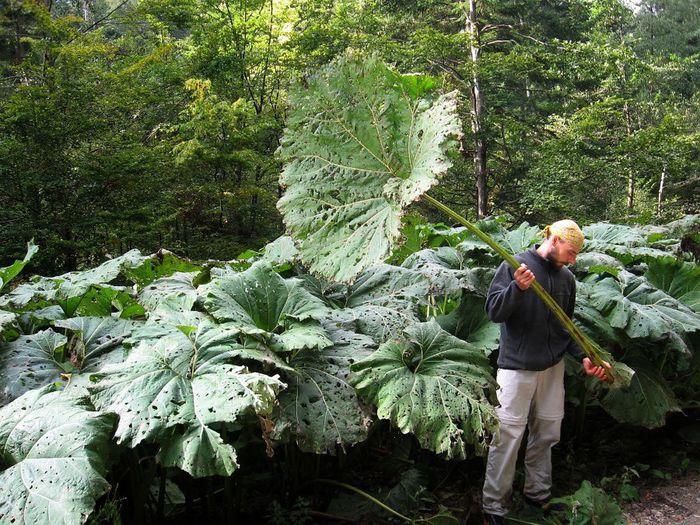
x=360 y=145
x=433 y=385
x=688 y=225
x=281 y=251
x=320 y=407
x=470 y=323
x=158 y=266
x=10 y=272
x=681 y=281
x=626 y=243
x=519 y=239
x=180 y=284
x=641 y=310
x=29 y=362
x=594 y=262
x=95 y=336
x=52 y=450
x=72 y=284
x=185 y=381
x=449 y=271
x=385 y=299
x=646 y=402
x=593 y=322
x=513 y=241
x=259 y=301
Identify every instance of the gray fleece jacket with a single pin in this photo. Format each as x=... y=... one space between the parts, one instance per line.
x=531 y=337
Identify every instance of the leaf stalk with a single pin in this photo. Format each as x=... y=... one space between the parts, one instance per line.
x=589 y=347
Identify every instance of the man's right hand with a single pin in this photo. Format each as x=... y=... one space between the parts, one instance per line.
x=523 y=277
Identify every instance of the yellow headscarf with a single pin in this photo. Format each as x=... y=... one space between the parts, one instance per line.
x=567 y=231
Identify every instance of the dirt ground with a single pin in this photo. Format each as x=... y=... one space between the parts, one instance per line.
x=672 y=502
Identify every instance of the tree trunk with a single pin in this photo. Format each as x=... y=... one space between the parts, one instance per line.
x=87 y=9
x=660 y=198
x=478 y=111
x=630 y=173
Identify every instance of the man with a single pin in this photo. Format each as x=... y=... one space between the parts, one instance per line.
x=531 y=367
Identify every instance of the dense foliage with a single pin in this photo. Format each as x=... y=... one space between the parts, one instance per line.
x=146 y=385
x=152 y=123
x=197 y=364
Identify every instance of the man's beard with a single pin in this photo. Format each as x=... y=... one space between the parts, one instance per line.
x=553 y=259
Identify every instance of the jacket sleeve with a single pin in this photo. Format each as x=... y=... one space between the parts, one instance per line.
x=504 y=296
x=573 y=349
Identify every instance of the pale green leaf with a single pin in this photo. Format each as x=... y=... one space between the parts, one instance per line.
x=433 y=385
x=10 y=272
x=185 y=381
x=320 y=407
x=72 y=284
x=259 y=300
x=680 y=280
x=641 y=310
x=385 y=299
x=360 y=145
x=6 y=319
x=179 y=284
x=646 y=402
x=470 y=323
x=29 y=362
x=281 y=251
x=53 y=449
x=448 y=271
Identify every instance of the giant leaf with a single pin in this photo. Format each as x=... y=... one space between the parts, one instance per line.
x=433 y=385
x=158 y=266
x=180 y=283
x=646 y=402
x=626 y=243
x=29 y=362
x=52 y=450
x=320 y=407
x=184 y=380
x=448 y=271
x=513 y=241
x=470 y=323
x=361 y=144
x=6 y=319
x=259 y=301
x=680 y=280
x=385 y=299
x=73 y=284
x=95 y=336
x=635 y=306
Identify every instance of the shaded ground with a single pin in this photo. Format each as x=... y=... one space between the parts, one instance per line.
x=672 y=502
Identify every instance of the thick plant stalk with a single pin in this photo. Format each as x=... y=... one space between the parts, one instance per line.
x=591 y=349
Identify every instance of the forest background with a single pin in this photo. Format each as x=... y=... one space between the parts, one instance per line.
x=154 y=123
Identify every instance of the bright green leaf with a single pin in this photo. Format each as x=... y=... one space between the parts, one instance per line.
x=433 y=385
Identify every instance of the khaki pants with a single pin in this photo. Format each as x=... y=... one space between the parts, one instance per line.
x=535 y=400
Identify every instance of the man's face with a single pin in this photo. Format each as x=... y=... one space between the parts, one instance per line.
x=562 y=253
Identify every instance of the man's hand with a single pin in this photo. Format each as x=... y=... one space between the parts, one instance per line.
x=596 y=371
x=523 y=277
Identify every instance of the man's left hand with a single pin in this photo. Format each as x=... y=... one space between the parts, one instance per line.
x=593 y=370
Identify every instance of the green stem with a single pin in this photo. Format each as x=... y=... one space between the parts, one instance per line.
x=589 y=347
x=364 y=494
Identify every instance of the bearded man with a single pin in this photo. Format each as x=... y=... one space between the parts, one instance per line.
x=530 y=373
